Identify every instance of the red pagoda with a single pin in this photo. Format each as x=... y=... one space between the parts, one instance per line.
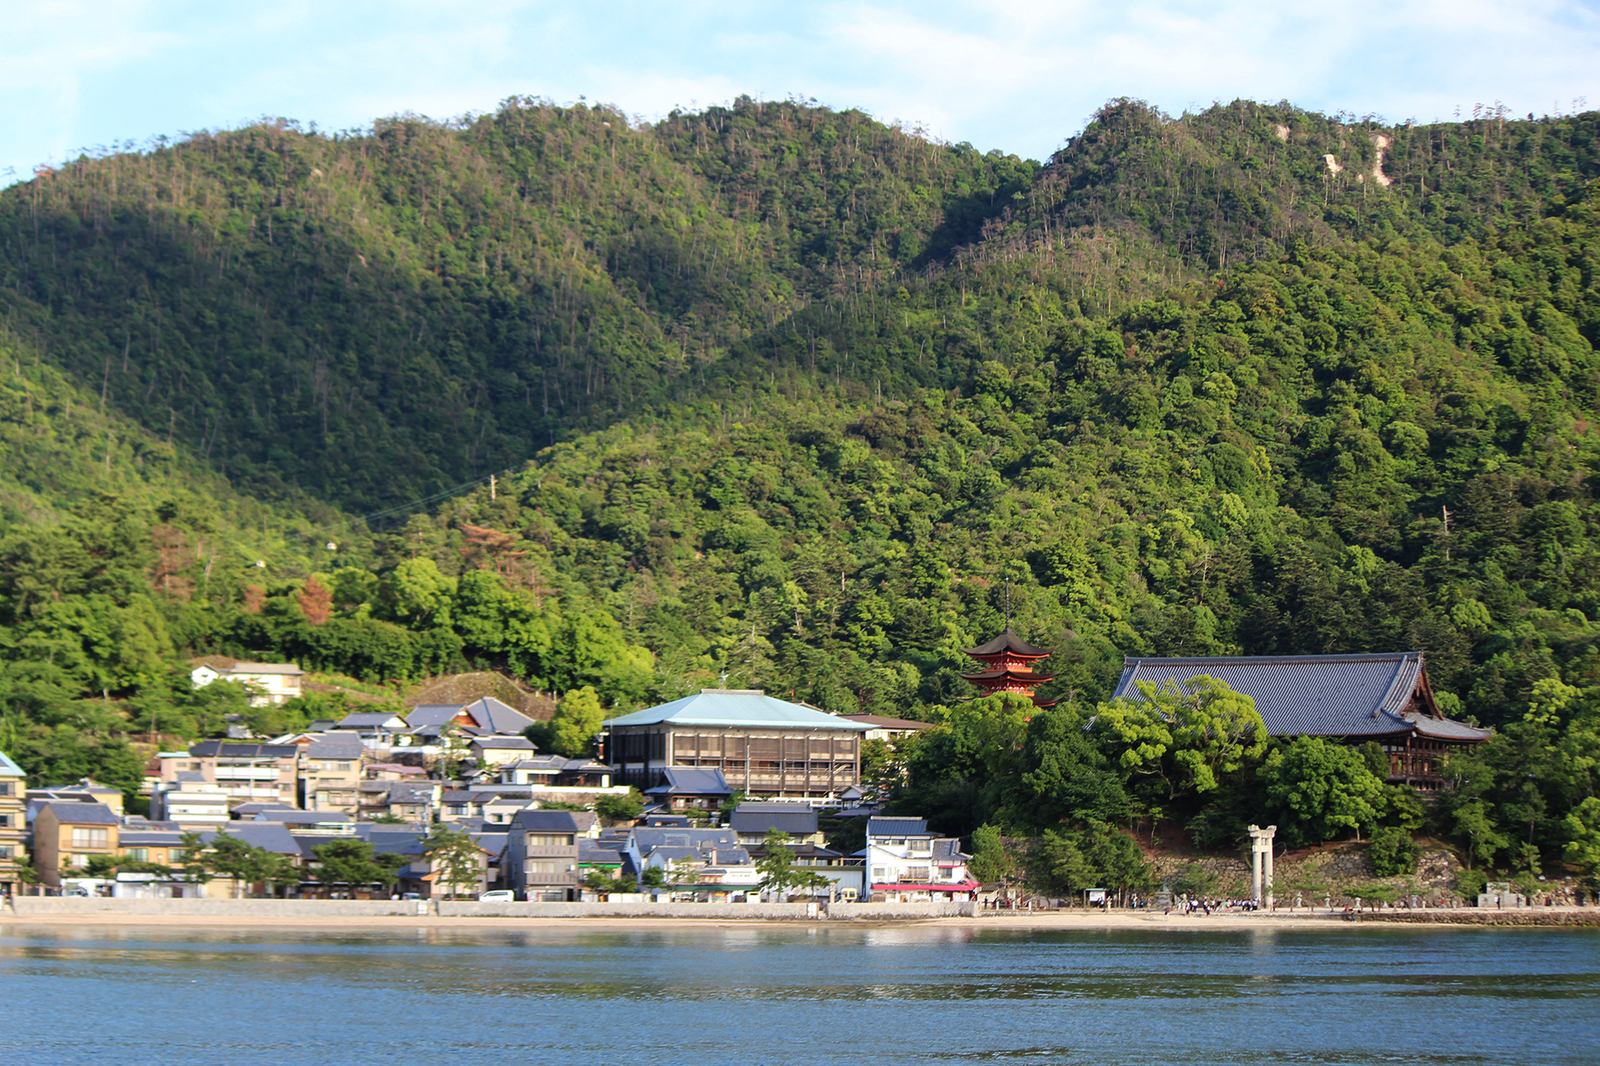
x=1008 y=667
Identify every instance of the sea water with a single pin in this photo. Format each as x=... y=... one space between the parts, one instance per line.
x=753 y=995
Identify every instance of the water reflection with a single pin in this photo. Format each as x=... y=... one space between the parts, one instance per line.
x=816 y=995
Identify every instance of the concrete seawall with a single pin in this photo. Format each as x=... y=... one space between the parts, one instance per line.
x=79 y=907
x=290 y=909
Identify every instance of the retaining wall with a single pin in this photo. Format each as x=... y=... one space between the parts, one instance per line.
x=768 y=911
x=78 y=906
x=899 y=912
x=216 y=908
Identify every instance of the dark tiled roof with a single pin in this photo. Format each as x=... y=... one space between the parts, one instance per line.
x=335 y=747
x=229 y=749
x=693 y=781
x=1314 y=695
x=542 y=821
x=82 y=813
x=648 y=840
x=948 y=849
x=897 y=827
x=792 y=818
x=1008 y=642
x=505 y=743
x=496 y=717
x=293 y=817
x=274 y=836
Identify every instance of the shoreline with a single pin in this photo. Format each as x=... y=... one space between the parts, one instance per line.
x=1039 y=921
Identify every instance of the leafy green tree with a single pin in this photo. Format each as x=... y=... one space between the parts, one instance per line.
x=1392 y=852
x=620 y=808
x=576 y=723
x=1583 y=846
x=346 y=862
x=1321 y=789
x=778 y=872
x=1187 y=736
x=455 y=857
x=248 y=864
x=1195 y=880
x=990 y=863
x=1057 y=865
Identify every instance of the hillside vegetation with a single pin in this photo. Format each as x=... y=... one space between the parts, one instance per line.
x=782 y=395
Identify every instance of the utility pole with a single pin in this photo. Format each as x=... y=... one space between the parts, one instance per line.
x=491 y=488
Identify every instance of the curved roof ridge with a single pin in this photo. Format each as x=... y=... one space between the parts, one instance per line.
x=1007 y=641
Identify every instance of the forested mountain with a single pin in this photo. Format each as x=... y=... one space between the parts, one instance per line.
x=783 y=395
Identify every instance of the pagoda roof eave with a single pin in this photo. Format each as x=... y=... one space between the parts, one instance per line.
x=1027 y=676
x=1007 y=643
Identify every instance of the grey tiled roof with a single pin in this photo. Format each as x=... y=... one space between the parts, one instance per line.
x=543 y=821
x=335 y=747
x=793 y=818
x=231 y=749
x=82 y=813
x=274 y=836
x=948 y=849
x=648 y=840
x=897 y=827
x=692 y=780
x=1313 y=695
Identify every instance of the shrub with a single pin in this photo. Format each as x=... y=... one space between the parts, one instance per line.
x=1392 y=852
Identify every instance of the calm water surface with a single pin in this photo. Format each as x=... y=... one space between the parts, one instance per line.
x=767 y=996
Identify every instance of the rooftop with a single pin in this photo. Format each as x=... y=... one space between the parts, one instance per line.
x=749 y=708
x=1318 y=695
x=1008 y=643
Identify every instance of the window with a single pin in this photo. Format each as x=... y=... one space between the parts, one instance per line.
x=915 y=873
x=89 y=838
x=5 y=788
x=5 y=851
x=543 y=867
x=341 y=766
x=196 y=766
x=549 y=840
x=139 y=854
x=5 y=821
x=880 y=872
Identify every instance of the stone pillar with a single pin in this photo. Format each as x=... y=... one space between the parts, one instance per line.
x=1261 y=864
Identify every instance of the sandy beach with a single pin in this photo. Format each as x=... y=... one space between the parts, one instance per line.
x=1039 y=921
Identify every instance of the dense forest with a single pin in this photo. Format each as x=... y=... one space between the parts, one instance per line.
x=785 y=396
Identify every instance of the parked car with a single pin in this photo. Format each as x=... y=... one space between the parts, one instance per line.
x=499 y=895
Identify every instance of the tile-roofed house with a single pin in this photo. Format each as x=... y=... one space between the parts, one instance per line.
x=753 y=819
x=330 y=771
x=762 y=745
x=690 y=788
x=494 y=750
x=13 y=824
x=483 y=717
x=541 y=855
x=907 y=864
x=247 y=772
x=1382 y=697
x=66 y=833
x=268 y=682
x=887 y=729
x=706 y=861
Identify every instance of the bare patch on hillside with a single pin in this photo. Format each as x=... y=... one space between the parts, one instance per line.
x=464 y=688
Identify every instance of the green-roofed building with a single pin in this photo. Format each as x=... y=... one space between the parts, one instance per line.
x=763 y=746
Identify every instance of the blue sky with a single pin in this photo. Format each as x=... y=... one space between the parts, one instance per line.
x=1020 y=76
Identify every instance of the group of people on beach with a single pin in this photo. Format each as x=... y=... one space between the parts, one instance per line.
x=1190 y=904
